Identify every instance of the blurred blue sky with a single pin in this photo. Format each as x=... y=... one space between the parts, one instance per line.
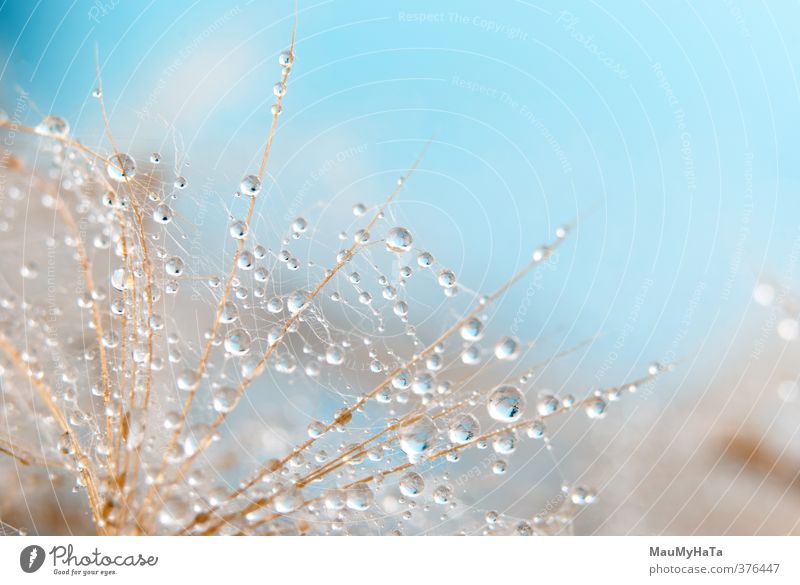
x=673 y=123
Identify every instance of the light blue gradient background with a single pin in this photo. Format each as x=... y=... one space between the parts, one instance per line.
x=493 y=184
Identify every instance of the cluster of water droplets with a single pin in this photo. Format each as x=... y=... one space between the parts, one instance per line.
x=173 y=344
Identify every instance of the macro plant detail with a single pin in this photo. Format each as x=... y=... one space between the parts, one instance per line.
x=127 y=357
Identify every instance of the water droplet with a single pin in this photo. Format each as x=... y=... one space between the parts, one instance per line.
x=229 y=313
x=506 y=403
x=285 y=59
x=288 y=500
x=425 y=260
x=162 y=213
x=596 y=407
x=417 y=437
x=121 y=167
x=119 y=279
x=334 y=499
x=315 y=429
x=582 y=496
x=412 y=484
x=402 y=380
x=423 y=384
x=472 y=330
x=299 y=225
x=400 y=308
x=442 y=495
x=764 y=293
x=536 y=430
x=225 y=399
x=398 y=240
x=29 y=270
x=359 y=497
x=250 y=185
x=471 y=355
x=237 y=342
x=155 y=158
x=275 y=305
x=238 y=230
x=53 y=126
x=174 y=266
x=507 y=349
x=504 y=444
x=296 y=301
x=463 y=429
x=447 y=278
x=334 y=355
x=246 y=260
x=188 y=380
x=547 y=404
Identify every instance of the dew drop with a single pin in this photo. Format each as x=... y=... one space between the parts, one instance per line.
x=53 y=126
x=225 y=399
x=463 y=429
x=285 y=59
x=425 y=260
x=472 y=330
x=121 y=167
x=288 y=500
x=398 y=240
x=299 y=225
x=238 y=230
x=188 y=380
x=596 y=408
x=359 y=497
x=412 y=484
x=507 y=349
x=417 y=438
x=250 y=185
x=334 y=355
x=237 y=342
x=174 y=266
x=296 y=301
x=506 y=403
x=447 y=278
x=162 y=214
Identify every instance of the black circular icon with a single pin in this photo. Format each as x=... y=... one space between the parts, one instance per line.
x=31 y=558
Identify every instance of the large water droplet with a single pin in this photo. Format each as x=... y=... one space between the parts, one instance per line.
x=296 y=301
x=237 y=342
x=596 y=407
x=399 y=240
x=463 y=429
x=53 y=126
x=506 y=403
x=121 y=167
x=288 y=500
x=412 y=484
x=472 y=330
x=359 y=497
x=416 y=438
x=225 y=399
x=507 y=349
x=250 y=185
